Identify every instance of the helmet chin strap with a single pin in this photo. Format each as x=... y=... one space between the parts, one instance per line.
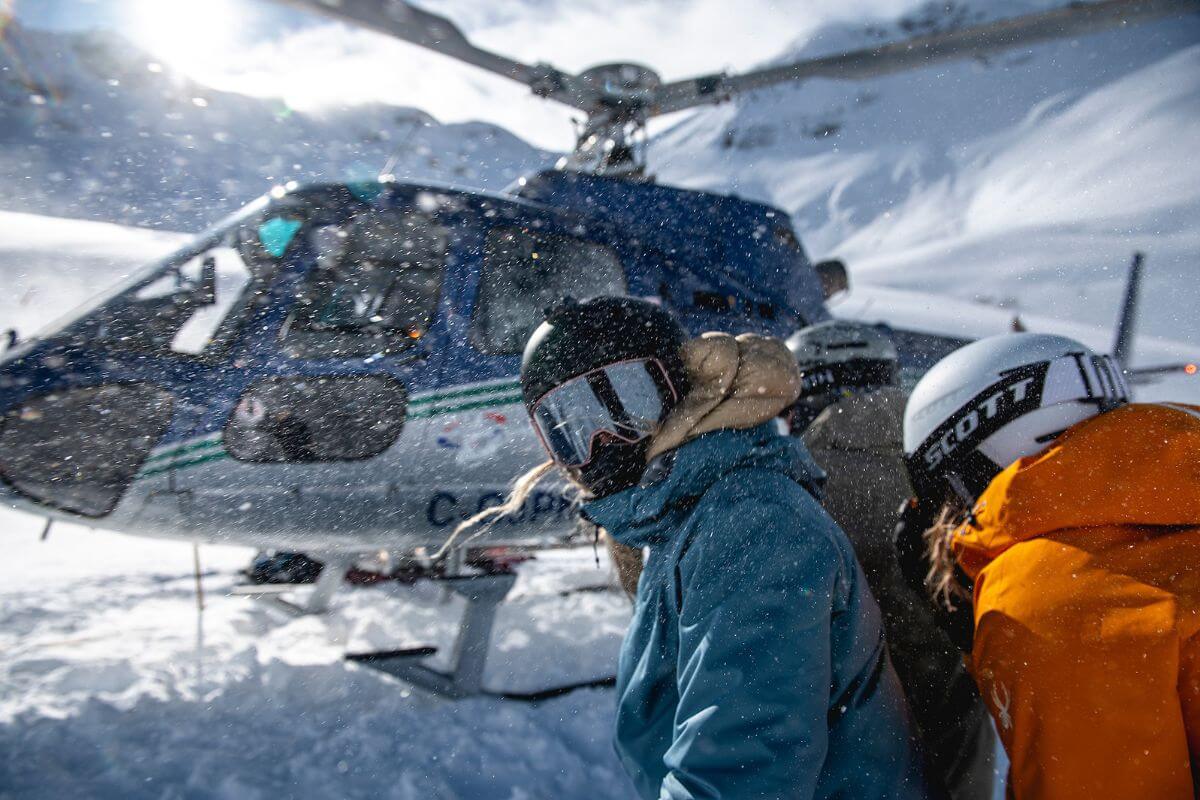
x=959 y=488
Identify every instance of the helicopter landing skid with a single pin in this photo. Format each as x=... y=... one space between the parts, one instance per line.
x=333 y=572
x=484 y=594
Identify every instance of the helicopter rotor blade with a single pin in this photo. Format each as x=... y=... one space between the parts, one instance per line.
x=1077 y=19
x=434 y=32
x=1140 y=376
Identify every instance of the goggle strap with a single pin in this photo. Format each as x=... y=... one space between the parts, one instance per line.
x=1103 y=379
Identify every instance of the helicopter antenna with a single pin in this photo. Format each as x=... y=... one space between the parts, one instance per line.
x=1127 y=323
x=394 y=158
x=620 y=98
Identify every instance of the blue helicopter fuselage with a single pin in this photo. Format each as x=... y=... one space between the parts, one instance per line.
x=335 y=366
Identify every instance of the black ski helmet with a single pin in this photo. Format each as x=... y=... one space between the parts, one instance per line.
x=578 y=337
x=838 y=358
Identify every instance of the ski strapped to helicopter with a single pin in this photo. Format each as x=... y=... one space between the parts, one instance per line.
x=333 y=369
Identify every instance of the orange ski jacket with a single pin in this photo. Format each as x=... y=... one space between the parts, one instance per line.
x=1086 y=562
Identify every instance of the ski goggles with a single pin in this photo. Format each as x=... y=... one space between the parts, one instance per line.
x=859 y=373
x=1085 y=379
x=626 y=401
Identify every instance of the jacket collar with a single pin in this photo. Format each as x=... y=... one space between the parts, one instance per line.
x=1135 y=466
x=650 y=512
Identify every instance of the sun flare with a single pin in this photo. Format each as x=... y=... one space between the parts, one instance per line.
x=190 y=36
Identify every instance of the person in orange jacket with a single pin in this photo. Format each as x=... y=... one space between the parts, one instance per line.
x=1073 y=518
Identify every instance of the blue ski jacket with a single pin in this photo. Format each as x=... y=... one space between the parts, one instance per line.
x=755 y=665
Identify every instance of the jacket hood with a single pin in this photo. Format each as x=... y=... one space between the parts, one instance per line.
x=735 y=382
x=650 y=512
x=1138 y=465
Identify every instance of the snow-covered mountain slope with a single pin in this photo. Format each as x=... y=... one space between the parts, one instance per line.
x=1027 y=180
x=92 y=128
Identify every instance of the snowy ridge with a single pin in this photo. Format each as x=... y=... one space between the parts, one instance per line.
x=91 y=128
x=1027 y=180
x=49 y=266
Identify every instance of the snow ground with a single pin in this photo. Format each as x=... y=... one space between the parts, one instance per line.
x=108 y=687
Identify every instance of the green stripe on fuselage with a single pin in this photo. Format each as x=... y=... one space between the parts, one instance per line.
x=186 y=447
x=471 y=391
x=451 y=408
x=201 y=459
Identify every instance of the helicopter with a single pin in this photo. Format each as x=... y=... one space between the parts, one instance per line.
x=333 y=369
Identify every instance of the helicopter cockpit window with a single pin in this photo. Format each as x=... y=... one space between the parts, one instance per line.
x=374 y=288
x=526 y=271
x=180 y=309
x=202 y=292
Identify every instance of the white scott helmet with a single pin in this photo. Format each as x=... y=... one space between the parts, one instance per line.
x=996 y=400
x=838 y=355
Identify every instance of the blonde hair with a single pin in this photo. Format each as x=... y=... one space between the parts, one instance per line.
x=626 y=560
x=628 y=563
x=521 y=489
x=942 y=581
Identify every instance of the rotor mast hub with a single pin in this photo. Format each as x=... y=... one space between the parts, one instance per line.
x=612 y=139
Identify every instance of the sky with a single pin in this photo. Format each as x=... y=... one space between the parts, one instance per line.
x=263 y=48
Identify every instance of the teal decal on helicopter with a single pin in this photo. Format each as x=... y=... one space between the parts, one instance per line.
x=277 y=233
x=365 y=190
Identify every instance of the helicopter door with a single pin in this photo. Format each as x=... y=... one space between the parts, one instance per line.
x=480 y=432
x=318 y=435
x=525 y=271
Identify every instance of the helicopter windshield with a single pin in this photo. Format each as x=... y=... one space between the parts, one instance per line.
x=201 y=292
x=375 y=286
x=187 y=303
x=221 y=232
x=524 y=272
x=192 y=303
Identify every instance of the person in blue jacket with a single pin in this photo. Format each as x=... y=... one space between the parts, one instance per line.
x=754 y=666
